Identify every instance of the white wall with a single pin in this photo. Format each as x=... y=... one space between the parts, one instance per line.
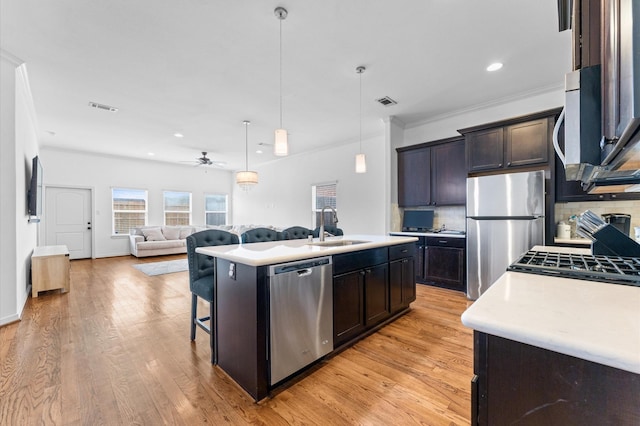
x=101 y=173
x=283 y=195
x=18 y=145
x=447 y=126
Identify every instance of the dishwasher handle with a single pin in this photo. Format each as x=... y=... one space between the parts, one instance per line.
x=299 y=266
x=304 y=272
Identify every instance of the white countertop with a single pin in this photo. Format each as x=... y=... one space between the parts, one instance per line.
x=595 y=321
x=453 y=234
x=580 y=241
x=273 y=252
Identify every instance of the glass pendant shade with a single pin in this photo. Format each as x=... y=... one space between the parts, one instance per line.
x=361 y=164
x=246 y=179
x=281 y=146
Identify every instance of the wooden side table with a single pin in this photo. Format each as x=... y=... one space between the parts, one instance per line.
x=50 y=269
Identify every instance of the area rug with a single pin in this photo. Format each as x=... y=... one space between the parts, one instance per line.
x=159 y=268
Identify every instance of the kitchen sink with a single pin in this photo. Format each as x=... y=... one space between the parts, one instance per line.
x=337 y=243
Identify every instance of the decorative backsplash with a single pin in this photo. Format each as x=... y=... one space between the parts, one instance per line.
x=453 y=217
x=565 y=210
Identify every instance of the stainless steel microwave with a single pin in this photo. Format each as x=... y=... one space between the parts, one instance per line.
x=602 y=107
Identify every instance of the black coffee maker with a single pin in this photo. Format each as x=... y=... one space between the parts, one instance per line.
x=619 y=220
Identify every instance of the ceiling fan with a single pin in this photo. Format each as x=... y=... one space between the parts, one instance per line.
x=206 y=161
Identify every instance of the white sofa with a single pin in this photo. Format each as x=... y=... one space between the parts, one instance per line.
x=159 y=240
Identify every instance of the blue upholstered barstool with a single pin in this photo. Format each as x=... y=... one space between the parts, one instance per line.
x=202 y=278
x=297 y=233
x=258 y=235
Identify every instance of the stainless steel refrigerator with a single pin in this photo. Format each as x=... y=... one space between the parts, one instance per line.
x=505 y=218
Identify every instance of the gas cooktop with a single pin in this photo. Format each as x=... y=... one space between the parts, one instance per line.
x=610 y=269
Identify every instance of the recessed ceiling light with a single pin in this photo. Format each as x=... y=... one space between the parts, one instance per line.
x=258 y=151
x=178 y=135
x=494 y=67
x=150 y=154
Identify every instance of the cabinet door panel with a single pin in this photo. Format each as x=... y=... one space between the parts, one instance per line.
x=414 y=177
x=348 y=306
x=376 y=294
x=450 y=174
x=485 y=150
x=445 y=266
x=408 y=281
x=527 y=143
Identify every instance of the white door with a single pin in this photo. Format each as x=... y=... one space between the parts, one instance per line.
x=67 y=220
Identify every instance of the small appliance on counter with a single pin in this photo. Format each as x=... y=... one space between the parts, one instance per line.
x=606 y=239
x=563 y=230
x=619 y=220
x=417 y=221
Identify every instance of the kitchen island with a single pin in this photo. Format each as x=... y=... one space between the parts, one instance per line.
x=550 y=350
x=372 y=284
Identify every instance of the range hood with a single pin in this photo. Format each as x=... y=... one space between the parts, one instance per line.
x=602 y=108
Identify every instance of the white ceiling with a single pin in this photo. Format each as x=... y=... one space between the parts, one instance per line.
x=201 y=67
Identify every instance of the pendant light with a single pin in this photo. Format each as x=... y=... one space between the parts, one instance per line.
x=281 y=145
x=361 y=162
x=246 y=179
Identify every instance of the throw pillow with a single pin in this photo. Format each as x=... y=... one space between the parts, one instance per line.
x=153 y=234
x=171 y=232
x=185 y=232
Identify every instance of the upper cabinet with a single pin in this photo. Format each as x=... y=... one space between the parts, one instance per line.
x=510 y=144
x=432 y=174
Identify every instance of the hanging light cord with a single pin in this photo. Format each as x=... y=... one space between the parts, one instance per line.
x=360 y=112
x=281 y=73
x=246 y=146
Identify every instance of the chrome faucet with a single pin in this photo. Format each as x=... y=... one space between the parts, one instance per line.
x=335 y=220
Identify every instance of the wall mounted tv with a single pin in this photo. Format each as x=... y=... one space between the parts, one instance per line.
x=34 y=194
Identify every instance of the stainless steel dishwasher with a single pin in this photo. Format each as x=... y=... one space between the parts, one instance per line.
x=300 y=314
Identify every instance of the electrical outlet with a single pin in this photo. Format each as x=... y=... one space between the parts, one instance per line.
x=232 y=271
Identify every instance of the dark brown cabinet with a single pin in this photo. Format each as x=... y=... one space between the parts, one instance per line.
x=516 y=143
x=432 y=174
x=516 y=383
x=414 y=177
x=449 y=178
x=376 y=294
x=444 y=262
x=360 y=292
x=402 y=276
x=348 y=306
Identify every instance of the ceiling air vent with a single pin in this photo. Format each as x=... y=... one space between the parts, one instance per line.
x=386 y=101
x=102 y=106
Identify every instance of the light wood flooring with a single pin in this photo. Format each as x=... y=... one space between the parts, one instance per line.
x=115 y=350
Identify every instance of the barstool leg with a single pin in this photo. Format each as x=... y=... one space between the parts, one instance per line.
x=194 y=313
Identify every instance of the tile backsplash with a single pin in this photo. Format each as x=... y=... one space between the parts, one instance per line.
x=564 y=210
x=453 y=217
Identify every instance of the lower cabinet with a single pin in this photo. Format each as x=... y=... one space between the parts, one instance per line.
x=402 y=276
x=516 y=383
x=444 y=262
x=348 y=307
x=368 y=287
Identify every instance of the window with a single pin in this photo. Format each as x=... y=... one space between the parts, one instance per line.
x=215 y=209
x=129 y=207
x=177 y=208
x=323 y=195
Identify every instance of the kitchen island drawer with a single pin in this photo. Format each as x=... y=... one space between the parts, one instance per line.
x=401 y=251
x=348 y=262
